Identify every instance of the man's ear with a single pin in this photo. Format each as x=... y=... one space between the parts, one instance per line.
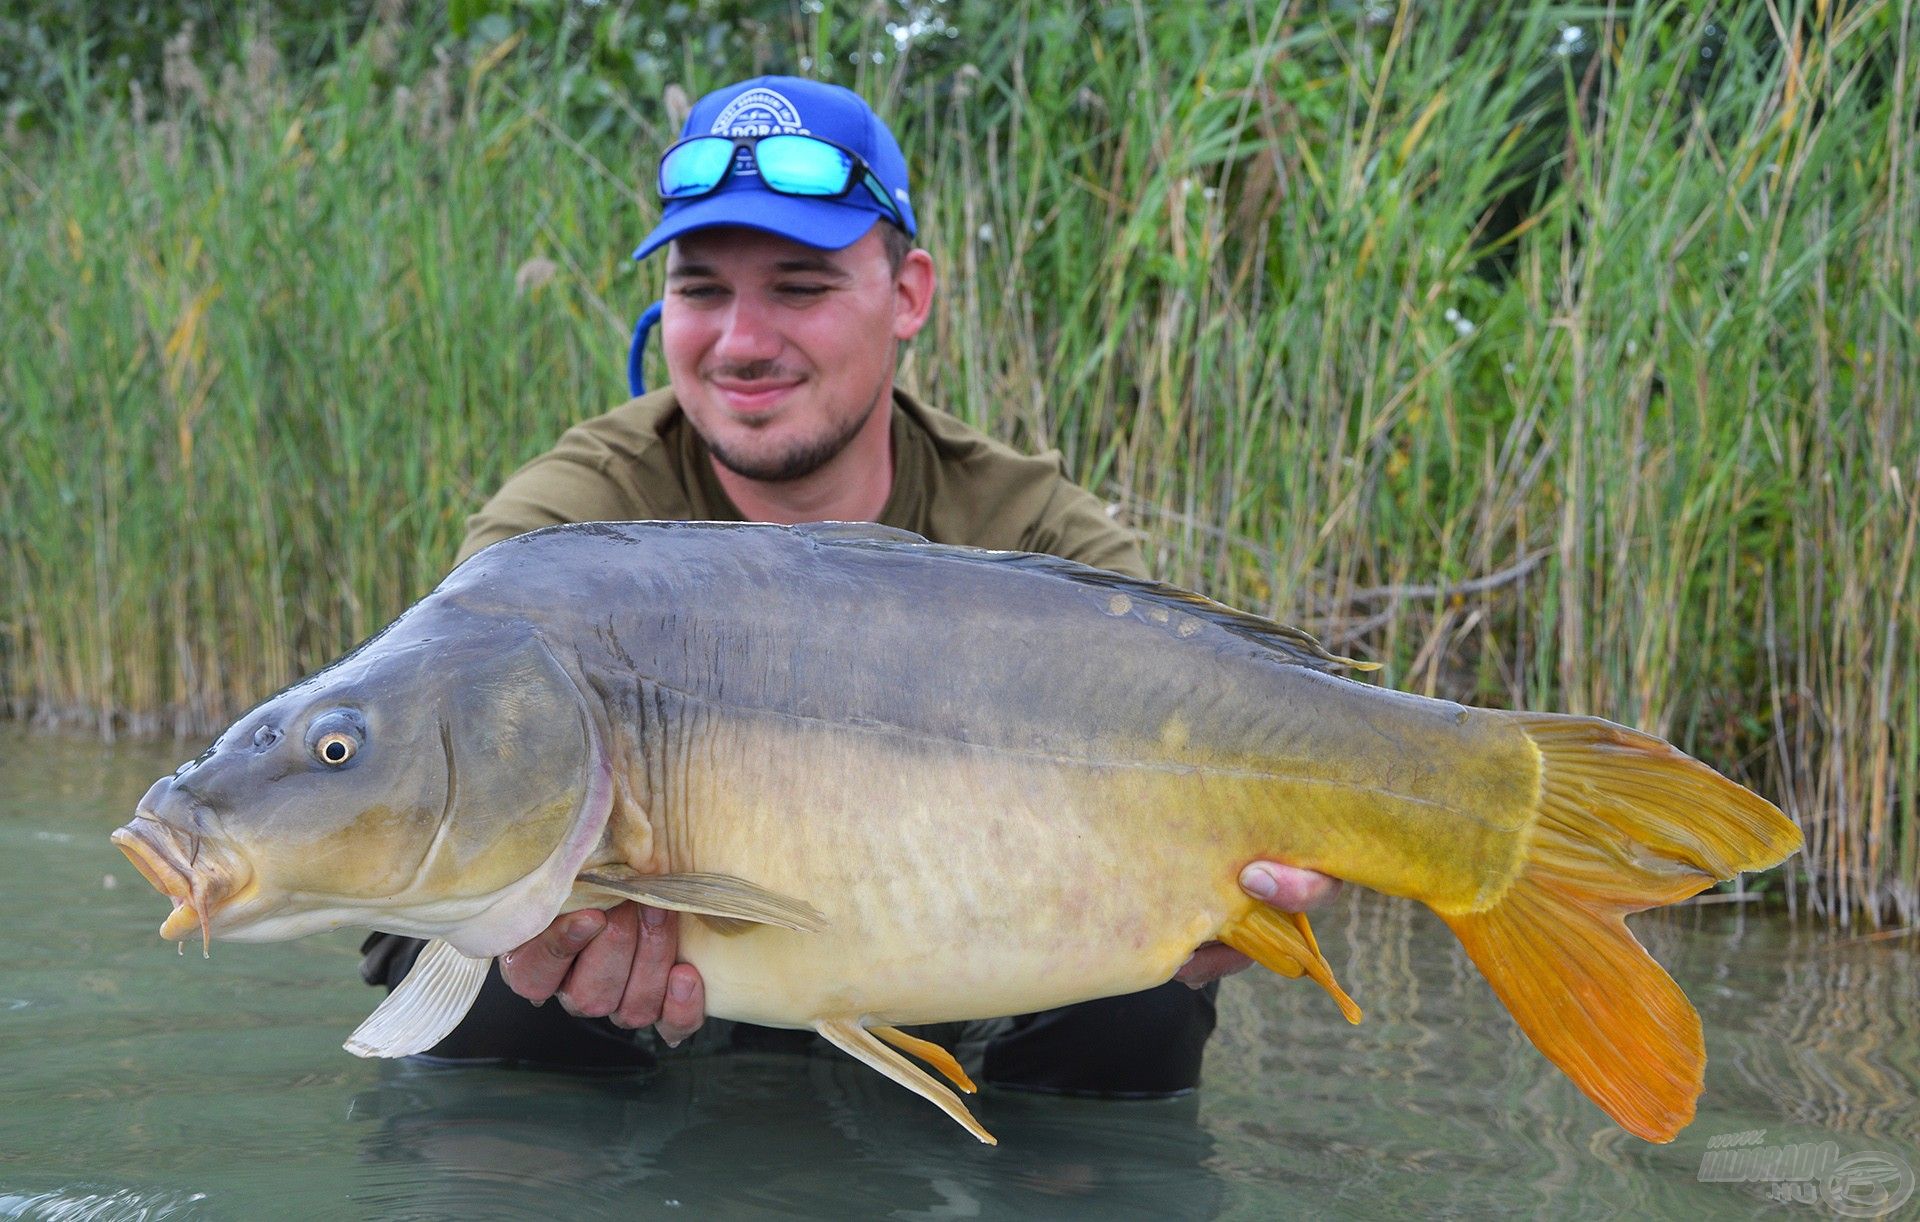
x=913 y=289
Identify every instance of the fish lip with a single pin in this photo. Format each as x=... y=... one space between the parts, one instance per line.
x=148 y=844
x=179 y=867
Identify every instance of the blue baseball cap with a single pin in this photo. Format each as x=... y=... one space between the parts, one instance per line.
x=768 y=105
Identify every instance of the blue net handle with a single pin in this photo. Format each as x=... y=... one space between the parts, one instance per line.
x=637 y=354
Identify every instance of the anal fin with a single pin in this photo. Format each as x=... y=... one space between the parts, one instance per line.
x=720 y=896
x=859 y=1043
x=1283 y=942
x=429 y=1003
x=930 y=1052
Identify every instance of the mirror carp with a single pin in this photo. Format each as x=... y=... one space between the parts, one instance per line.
x=898 y=782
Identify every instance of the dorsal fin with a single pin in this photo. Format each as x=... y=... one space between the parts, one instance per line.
x=856 y=532
x=1293 y=644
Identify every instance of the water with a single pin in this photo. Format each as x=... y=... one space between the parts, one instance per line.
x=137 y=1083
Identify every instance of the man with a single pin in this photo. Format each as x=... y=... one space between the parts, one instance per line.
x=792 y=281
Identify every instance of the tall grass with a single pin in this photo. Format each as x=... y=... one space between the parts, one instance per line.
x=1519 y=347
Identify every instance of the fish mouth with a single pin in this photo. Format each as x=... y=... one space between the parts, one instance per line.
x=175 y=863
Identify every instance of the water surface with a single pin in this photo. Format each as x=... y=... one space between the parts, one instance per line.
x=137 y=1082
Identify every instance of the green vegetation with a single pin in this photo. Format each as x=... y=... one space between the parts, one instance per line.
x=1564 y=356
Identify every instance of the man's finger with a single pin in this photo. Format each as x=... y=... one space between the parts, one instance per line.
x=594 y=987
x=535 y=969
x=1287 y=887
x=686 y=1005
x=652 y=959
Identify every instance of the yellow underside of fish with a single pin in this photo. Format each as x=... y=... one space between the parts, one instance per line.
x=961 y=882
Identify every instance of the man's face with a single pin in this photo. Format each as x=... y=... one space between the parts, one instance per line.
x=779 y=352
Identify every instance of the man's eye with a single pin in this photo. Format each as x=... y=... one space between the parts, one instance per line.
x=698 y=292
x=803 y=290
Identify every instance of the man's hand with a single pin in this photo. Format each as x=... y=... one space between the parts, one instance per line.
x=1286 y=888
x=619 y=964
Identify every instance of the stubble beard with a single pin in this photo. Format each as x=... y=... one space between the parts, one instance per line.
x=799 y=460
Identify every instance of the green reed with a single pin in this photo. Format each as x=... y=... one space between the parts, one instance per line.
x=1552 y=370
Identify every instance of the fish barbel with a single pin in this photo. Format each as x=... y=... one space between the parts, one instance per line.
x=899 y=782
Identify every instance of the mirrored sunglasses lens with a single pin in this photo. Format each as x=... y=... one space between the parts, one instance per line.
x=878 y=190
x=801 y=165
x=694 y=168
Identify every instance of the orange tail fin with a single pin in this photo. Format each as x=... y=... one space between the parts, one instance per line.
x=1625 y=822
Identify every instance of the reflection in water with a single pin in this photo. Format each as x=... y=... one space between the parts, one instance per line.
x=136 y=1082
x=786 y=1134
x=1828 y=1050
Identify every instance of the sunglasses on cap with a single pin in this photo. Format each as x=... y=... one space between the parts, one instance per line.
x=788 y=164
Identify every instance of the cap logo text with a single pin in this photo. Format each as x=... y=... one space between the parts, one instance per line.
x=758 y=112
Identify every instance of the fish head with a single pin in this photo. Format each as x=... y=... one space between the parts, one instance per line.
x=443 y=781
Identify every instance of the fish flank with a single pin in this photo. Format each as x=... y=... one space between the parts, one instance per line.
x=1116 y=763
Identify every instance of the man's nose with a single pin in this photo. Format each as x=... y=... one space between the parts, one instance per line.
x=747 y=334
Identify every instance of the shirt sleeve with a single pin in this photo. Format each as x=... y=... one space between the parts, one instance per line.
x=548 y=491
x=1077 y=526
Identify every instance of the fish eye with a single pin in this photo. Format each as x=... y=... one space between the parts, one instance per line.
x=336 y=737
x=335 y=748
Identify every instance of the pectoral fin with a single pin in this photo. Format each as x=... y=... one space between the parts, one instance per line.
x=1283 y=942
x=711 y=895
x=429 y=1003
x=856 y=1041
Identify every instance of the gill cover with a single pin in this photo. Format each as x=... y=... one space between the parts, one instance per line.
x=443 y=780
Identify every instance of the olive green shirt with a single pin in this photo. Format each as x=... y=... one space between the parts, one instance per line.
x=953 y=484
